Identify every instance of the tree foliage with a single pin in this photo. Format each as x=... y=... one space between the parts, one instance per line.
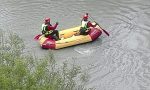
x=19 y=72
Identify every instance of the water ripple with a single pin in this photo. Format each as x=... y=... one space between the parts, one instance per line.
x=118 y=62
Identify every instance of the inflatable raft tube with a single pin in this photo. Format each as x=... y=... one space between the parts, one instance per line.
x=69 y=38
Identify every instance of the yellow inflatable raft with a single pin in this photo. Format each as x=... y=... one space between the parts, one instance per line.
x=69 y=37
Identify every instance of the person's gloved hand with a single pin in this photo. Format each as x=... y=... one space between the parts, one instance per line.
x=96 y=23
x=56 y=23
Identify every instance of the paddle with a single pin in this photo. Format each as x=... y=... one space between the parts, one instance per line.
x=37 y=37
x=100 y=27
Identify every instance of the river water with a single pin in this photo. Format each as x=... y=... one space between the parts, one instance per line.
x=118 y=62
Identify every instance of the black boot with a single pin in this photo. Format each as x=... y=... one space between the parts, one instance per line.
x=56 y=38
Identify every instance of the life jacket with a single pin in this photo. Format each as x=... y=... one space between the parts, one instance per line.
x=84 y=25
x=45 y=29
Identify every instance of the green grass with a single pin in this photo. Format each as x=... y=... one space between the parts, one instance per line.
x=20 y=72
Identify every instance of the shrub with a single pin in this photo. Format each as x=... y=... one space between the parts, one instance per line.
x=20 y=72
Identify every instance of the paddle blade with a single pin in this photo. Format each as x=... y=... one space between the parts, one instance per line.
x=106 y=32
x=37 y=37
x=102 y=29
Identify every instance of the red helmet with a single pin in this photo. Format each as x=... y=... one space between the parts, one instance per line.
x=47 y=20
x=85 y=17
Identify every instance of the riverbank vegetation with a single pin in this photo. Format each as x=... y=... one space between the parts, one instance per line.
x=26 y=72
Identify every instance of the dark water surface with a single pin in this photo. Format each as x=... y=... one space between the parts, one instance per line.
x=118 y=62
